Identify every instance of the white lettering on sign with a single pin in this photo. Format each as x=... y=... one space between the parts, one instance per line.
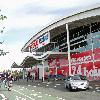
x=81 y=59
x=88 y=73
x=43 y=40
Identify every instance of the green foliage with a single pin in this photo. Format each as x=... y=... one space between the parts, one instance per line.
x=2 y=17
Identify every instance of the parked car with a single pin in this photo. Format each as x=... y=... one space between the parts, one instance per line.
x=76 y=82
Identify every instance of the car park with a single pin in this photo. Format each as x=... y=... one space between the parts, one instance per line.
x=76 y=82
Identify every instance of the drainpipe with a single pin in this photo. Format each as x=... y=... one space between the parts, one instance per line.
x=68 y=43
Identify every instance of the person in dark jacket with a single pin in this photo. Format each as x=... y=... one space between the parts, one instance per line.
x=28 y=76
x=10 y=79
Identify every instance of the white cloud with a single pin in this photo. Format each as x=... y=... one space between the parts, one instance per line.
x=19 y=18
x=14 y=55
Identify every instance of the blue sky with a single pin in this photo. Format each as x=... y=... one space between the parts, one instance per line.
x=25 y=18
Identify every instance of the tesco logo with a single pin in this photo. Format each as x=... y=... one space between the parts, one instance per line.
x=43 y=38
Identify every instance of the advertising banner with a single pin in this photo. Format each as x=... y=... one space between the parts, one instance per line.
x=84 y=63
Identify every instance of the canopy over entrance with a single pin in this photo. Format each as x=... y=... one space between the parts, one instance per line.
x=50 y=55
x=14 y=65
x=29 y=62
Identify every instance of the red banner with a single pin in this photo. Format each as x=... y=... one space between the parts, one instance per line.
x=84 y=63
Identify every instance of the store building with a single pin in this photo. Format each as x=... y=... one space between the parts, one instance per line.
x=70 y=45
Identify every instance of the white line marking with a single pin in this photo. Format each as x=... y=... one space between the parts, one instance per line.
x=39 y=96
x=58 y=84
x=97 y=87
x=21 y=89
x=34 y=94
x=23 y=94
x=3 y=96
x=60 y=98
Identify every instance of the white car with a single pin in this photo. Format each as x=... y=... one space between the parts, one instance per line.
x=76 y=82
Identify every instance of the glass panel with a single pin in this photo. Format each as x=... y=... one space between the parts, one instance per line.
x=96 y=44
x=89 y=47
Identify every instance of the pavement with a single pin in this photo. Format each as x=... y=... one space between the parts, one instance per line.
x=53 y=90
x=93 y=85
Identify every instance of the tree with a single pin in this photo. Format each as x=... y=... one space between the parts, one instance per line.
x=2 y=17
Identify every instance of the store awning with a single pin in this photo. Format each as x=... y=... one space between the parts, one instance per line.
x=14 y=65
x=51 y=55
x=29 y=62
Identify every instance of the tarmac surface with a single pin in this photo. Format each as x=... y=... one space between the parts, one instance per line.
x=53 y=90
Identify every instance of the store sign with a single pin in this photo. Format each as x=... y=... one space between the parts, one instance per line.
x=33 y=45
x=43 y=40
x=39 y=42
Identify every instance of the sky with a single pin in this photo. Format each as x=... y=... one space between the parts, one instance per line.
x=25 y=18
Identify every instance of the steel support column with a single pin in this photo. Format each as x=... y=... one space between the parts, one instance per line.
x=68 y=43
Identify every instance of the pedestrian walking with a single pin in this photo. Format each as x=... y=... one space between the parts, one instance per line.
x=28 y=76
x=10 y=79
x=0 y=81
x=32 y=76
x=5 y=79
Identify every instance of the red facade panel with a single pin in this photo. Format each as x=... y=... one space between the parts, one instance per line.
x=81 y=63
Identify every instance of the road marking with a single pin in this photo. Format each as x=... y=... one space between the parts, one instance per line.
x=97 y=88
x=57 y=84
x=34 y=94
x=39 y=96
x=40 y=92
x=23 y=94
x=3 y=97
x=60 y=98
x=19 y=98
x=21 y=89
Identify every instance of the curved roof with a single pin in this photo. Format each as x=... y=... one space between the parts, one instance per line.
x=83 y=14
x=29 y=61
